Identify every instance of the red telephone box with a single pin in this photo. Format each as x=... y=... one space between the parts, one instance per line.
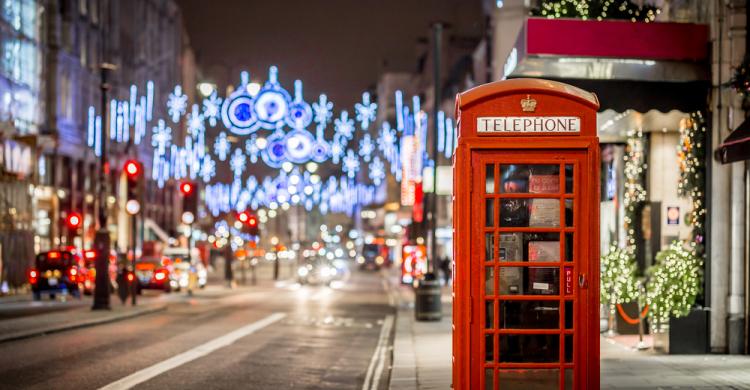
x=526 y=237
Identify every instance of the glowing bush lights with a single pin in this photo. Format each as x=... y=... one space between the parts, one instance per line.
x=674 y=283
x=691 y=155
x=618 y=277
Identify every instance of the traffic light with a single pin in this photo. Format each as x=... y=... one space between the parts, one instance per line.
x=73 y=221
x=189 y=198
x=243 y=217
x=133 y=173
x=250 y=221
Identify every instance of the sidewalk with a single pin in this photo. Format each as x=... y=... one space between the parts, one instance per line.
x=422 y=358
x=30 y=326
x=421 y=350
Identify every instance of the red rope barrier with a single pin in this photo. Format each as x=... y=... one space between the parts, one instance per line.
x=628 y=319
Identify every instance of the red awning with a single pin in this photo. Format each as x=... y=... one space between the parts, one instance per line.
x=736 y=147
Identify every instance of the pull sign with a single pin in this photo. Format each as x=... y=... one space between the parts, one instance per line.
x=568 y=280
x=529 y=124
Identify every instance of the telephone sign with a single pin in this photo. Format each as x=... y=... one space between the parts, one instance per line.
x=526 y=237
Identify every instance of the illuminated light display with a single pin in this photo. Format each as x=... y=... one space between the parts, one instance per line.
x=161 y=137
x=237 y=162
x=300 y=113
x=323 y=110
x=344 y=126
x=387 y=142
x=252 y=149
x=176 y=104
x=377 y=170
x=299 y=145
x=366 y=147
x=212 y=109
x=272 y=102
x=350 y=164
x=195 y=123
x=221 y=146
x=338 y=149
x=366 y=111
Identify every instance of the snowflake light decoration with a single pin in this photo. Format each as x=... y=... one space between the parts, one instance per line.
x=366 y=111
x=237 y=162
x=176 y=104
x=350 y=164
x=387 y=142
x=161 y=137
x=221 y=146
x=195 y=123
x=344 y=126
x=366 y=147
x=252 y=149
x=338 y=149
x=212 y=109
x=323 y=110
x=377 y=171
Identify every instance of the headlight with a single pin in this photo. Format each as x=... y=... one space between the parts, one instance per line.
x=379 y=260
x=302 y=271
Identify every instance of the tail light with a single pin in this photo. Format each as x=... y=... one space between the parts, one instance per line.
x=160 y=275
x=33 y=276
x=130 y=277
x=73 y=274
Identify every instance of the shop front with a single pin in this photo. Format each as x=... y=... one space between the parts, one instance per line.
x=651 y=124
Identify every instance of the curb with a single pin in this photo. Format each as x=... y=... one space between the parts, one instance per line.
x=78 y=325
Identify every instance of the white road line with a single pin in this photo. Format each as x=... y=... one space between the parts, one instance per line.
x=375 y=369
x=195 y=353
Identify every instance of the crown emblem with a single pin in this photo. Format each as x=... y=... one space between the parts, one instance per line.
x=528 y=104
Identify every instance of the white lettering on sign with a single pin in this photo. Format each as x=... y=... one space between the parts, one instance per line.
x=529 y=124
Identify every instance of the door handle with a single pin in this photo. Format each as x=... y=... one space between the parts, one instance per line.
x=582 y=282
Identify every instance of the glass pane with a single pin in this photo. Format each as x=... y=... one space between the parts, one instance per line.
x=489 y=347
x=535 y=179
x=489 y=246
x=489 y=212
x=569 y=314
x=529 y=280
x=529 y=348
x=489 y=179
x=489 y=383
x=489 y=281
x=568 y=348
x=527 y=246
x=511 y=280
x=514 y=212
x=569 y=178
x=544 y=213
x=569 y=246
x=489 y=314
x=529 y=315
x=526 y=379
x=544 y=281
x=568 y=379
x=569 y=216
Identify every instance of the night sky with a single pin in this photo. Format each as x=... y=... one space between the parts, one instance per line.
x=337 y=47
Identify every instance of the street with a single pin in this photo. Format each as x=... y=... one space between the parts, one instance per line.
x=287 y=336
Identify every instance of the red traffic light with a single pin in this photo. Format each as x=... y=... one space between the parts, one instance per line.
x=243 y=217
x=74 y=220
x=132 y=168
x=186 y=188
x=252 y=221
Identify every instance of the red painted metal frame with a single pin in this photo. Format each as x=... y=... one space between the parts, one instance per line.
x=503 y=99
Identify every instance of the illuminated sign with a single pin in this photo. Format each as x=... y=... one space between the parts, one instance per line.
x=529 y=124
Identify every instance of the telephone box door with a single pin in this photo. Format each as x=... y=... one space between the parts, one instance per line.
x=532 y=295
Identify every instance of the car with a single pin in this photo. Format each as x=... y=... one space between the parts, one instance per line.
x=89 y=281
x=374 y=256
x=154 y=273
x=317 y=270
x=186 y=267
x=56 y=272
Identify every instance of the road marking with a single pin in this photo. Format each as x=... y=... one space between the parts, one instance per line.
x=389 y=292
x=377 y=363
x=195 y=353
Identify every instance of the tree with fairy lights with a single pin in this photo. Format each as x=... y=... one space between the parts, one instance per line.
x=597 y=9
x=635 y=193
x=618 y=279
x=674 y=283
x=691 y=155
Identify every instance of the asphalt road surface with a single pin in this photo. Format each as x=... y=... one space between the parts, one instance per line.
x=282 y=336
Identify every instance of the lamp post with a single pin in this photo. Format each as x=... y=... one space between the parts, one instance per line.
x=101 y=239
x=438 y=31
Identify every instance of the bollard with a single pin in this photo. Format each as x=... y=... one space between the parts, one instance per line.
x=427 y=304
